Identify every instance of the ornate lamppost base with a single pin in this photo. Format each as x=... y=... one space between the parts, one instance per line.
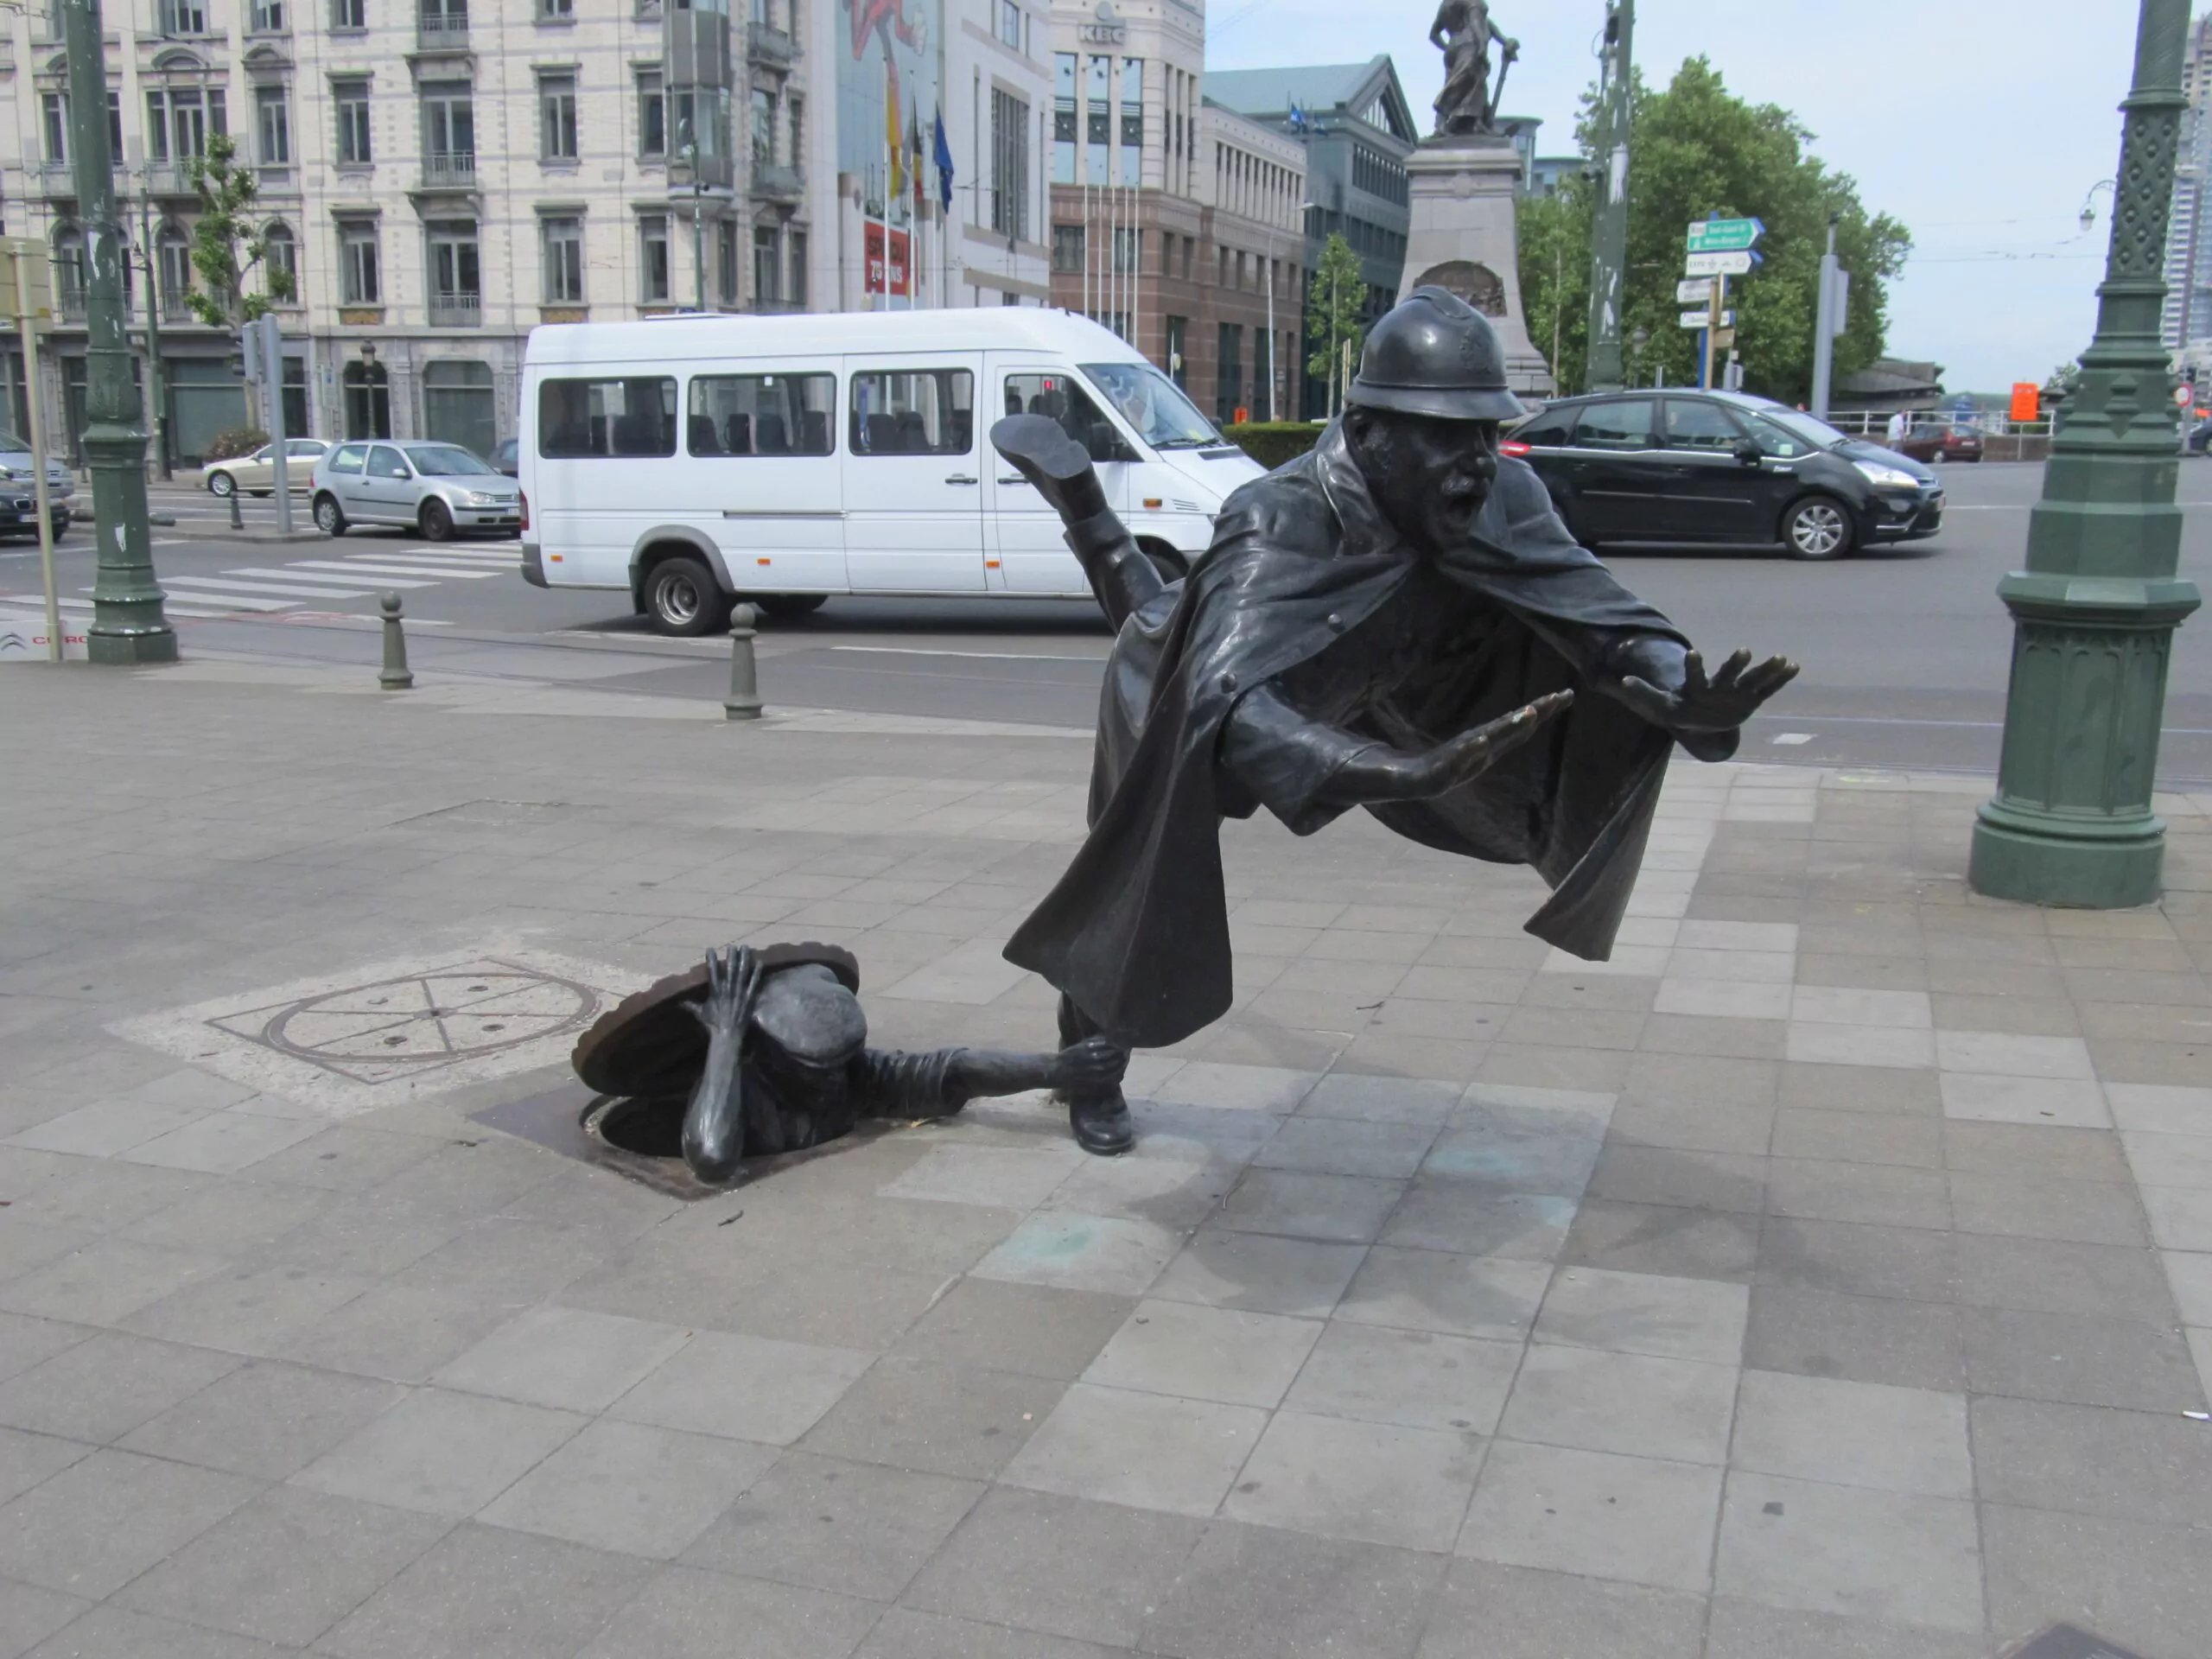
x=2042 y=859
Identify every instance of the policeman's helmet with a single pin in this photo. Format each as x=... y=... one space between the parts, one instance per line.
x=807 y=1013
x=1435 y=354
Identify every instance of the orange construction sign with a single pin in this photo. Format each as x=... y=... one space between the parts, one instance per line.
x=2027 y=401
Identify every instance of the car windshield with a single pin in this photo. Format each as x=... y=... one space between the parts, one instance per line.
x=1153 y=405
x=444 y=461
x=12 y=445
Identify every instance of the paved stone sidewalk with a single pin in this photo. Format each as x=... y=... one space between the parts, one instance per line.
x=1816 y=1279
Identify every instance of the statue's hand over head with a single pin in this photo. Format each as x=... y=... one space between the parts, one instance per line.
x=1467 y=757
x=1721 y=703
x=1094 y=1064
x=733 y=983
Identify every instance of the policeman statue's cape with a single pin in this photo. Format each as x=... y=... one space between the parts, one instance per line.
x=1137 y=930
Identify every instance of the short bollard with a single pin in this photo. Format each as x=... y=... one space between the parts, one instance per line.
x=744 y=700
x=395 y=676
x=237 y=523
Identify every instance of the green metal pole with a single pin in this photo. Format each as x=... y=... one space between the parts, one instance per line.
x=2095 y=610
x=1609 y=235
x=128 y=625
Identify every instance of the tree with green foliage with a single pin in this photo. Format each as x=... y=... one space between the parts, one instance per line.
x=1697 y=149
x=227 y=247
x=1336 y=299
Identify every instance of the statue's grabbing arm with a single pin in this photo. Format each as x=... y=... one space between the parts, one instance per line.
x=714 y=1122
x=1666 y=683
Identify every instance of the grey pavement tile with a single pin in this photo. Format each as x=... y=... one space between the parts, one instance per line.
x=2049 y=1276
x=1664 y=1239
x=405 y=1335
x=2161 y=1108
x=1858 y=1260
x=1259 y=1273
x=28 y=1460
x=2142 y=1466
x=102 y=1389
x=1454 y=1295
x=24 y=1244
x=25 y=1342
x=1200 y=1353
x=99 y=1524
x=1466 y=1220
x=858 y=1529
x=2180 y=1219
x=2025 y=1206
x=233 y=1217
x=2079 y=1358
x=1145 y=1450
x=373 y=1234
x=1893 y=1557
x=1645 y=1313
x=2191 y=1277
x=1857 y=1339
x=2139 y=1585
x=441 y=1452
x=1075 y=1251
x=1255 y=1593
x=1007 y=1178
x=688 y=1614
x=1860 y=1088
x=28 y=1615
x=1411 y=1101
x=1036 y=1330
x=189 y=1086
x=105 y=1127
x=483 y=1592
x=515 y=1261
x=1676 y=1409
x=1866 y=1434
x=1491 y=1612
x=1694 y=1180
x=1503 y=1150
x=247 y=1309
x=2170 y=1160
x=2062 y=1102
x=1415 y=1379
x=1338 y=1146
x=1744 y=1629
x=1700 y=1127
x=1247 y=1088
x=1878 y=1195
x=222 y=1143
x=345 y=1157
x=1811 y=1042
x=1859 y=1138
x=1595 y=1514
x=104 y=1282
x=2008 y=1054
x=263 y=1419
x=285 y=1567
x=1057 y=1565
x=630 y=1488
x=568 y=1359
x=944 y=1419
x=1697 y=1080
x=1344 y=1209
x=112 y=1633
x=1371 y=1483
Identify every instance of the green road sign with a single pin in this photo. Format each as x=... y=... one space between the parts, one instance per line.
x=1723 y=235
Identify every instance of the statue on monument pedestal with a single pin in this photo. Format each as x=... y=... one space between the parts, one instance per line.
x=1467 y=106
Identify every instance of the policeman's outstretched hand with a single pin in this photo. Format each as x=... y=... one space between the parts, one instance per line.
x=1721 y=703
x=734 y=978
x=1041 y=451
x=1467 y=757
x=1093 y=1064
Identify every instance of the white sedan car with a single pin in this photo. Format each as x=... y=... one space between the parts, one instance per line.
x=257 y=473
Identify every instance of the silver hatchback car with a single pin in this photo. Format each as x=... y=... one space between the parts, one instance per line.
x=439 y=489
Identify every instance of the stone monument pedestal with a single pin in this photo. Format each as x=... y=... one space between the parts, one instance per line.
x=1466 y=196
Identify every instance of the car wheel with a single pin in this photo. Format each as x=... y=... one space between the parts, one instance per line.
x=683 y=599
x=787 y=607
x=1819 y=527
x=327 y=517
x=221 y=483
x=436 y=520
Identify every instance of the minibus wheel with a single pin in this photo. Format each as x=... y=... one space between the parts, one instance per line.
x=683 y=599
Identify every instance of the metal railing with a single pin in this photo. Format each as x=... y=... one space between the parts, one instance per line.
x=769 y=47
x=449 y=169
x=446 y=27
x=456 y=310
x=773 y=181
x=177 y=305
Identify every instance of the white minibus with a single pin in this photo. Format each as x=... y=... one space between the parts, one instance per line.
x=693 y=461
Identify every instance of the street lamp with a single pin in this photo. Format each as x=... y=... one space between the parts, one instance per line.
x=2088 y=202
x=2094 y=611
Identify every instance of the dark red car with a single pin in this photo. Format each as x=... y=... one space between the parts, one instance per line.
x=1941 y=443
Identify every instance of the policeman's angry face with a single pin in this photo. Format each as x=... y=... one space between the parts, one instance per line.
x=1429 y=476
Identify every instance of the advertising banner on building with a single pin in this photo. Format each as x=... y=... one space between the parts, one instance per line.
x=878 y=269
x=901 y=265
x=887 y=90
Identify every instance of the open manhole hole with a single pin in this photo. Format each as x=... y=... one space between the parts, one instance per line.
x=642 y=1128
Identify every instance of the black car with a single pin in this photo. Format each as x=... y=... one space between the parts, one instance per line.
x=1720 y=468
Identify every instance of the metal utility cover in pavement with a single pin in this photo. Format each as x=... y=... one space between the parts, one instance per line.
x=2065 y=1642
x=1723 y=235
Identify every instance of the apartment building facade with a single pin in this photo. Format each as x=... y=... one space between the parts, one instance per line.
x=1175 y=220
x=441 y=176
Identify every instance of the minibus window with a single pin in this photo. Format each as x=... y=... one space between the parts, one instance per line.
x=634 y=416
x=761 y=415
x=913 y=412
x=1058 y=398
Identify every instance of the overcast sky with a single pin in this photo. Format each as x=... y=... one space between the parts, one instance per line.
x=1980 y=127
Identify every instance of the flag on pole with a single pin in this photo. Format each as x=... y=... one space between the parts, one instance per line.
x=944 y=165
x=894 y=142
x=914 y=145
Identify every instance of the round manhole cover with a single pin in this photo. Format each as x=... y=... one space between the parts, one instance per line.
x=429 y=1018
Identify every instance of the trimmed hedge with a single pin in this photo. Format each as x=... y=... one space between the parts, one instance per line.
x=1272 y=442
x=239 y=441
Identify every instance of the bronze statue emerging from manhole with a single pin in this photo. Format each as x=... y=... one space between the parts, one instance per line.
x=755 y=1052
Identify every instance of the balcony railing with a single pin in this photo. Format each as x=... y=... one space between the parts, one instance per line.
x=164 y=179
x=770 y=47
x=177 y=305
x=771 y=182
x=70 y=304
x=456 y=310
x=449 y=169
x=445 y=29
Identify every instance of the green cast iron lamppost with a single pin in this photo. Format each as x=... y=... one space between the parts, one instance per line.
x=2095 y=610
x=127 y=625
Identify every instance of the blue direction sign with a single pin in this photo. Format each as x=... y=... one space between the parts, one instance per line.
x=1723 y=235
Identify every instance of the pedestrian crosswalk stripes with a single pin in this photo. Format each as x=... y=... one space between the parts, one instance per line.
x=171 y=608
x=292 y=573
x=231 y=581
x=433 y=561
x=393 y=569
x=216 y=594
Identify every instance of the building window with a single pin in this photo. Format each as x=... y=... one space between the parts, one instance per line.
x=183 y=17
x=1063 y=117
x=1010 y=23
x=280 y=253
x=69 y=265
x=1176 y=328
x=798 y=130
x=1132 y=120
x=564 y=240
x=1009 y=166
x=1098 y=121
x=54 y=107
x=653 y=116
x=351 y=100
x=457 y=404
x=178 y=121
x=1067 y=247
x=556 y=105
x=268 y=16
x=172 y=258
x=450 y=132
x=796 y=295
x=1228 y=374
x=273 y=125
x=726 y=261
x=1129 y=248
x=767 y=267
x=764 y=12
x=349 y=15
x=652 y=258
x=764 y=127
x=360 y=273
x=456 y=280
x=556 y=11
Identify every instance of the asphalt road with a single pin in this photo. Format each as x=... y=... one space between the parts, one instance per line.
x=1905 y=651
